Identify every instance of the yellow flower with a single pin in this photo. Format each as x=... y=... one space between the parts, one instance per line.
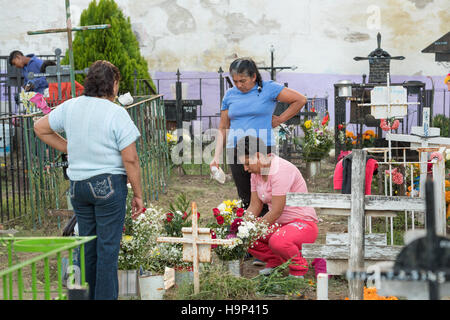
x=308 y=124
x=228 y=203
x=170 y=137
x=127 y=238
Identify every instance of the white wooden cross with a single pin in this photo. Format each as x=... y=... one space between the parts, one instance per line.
x=196 y=245
x=425 y=139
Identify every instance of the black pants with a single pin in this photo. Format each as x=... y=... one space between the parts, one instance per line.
x=242 y=181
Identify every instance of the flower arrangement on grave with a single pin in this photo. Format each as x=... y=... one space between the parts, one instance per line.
x=176 y=219
x=139 y=249
x=318 y=138
x=368 y=138
x=232 y=222
x=397 y=176
x=139 y=237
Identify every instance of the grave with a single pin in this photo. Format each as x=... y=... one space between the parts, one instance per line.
x=196 y=245
x=69 y=29
x=360 y=251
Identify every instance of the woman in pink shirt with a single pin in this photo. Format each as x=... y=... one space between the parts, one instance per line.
x=271 y=178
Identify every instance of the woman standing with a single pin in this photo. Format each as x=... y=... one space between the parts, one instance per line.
x=102 y=155
x=247 y=109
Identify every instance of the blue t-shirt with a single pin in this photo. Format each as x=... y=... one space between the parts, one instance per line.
x=97 y=130
x=34 y=65
x=251 y=113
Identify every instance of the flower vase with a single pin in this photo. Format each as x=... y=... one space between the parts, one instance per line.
x=151 y=286
x=235 y=267
x=312 y=168
x=128 y=283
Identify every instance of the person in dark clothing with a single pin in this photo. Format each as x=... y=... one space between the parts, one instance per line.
x=29 y=63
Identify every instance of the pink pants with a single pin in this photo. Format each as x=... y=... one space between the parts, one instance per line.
x=285 y=243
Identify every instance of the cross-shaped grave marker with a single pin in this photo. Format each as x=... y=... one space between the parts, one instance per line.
x=272 y=68
x=69 y=29
x=424 y=139
x=196 y=245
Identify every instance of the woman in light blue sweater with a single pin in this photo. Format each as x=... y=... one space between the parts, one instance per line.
x=102 y=155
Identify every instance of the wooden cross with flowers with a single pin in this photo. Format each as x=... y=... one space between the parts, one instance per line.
x=196 y=245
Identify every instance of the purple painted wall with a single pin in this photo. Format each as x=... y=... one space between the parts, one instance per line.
x=311 y=85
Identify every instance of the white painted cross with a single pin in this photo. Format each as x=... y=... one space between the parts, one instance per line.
x=425 y=139
x=196 y=245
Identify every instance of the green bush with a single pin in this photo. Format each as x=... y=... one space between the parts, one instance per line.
x=117 y=44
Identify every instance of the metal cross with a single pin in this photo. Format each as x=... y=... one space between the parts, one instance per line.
x=69 y=29
x=194 y=241
x=273 y=70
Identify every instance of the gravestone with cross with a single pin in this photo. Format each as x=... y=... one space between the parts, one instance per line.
x=355 y=254
x=421 y=270
x=196 y=245
x=272 y=68
x=69 y=29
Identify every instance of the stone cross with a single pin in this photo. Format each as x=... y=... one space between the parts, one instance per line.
x=196 y=245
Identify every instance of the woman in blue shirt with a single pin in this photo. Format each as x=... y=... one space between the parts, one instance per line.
x=102 y=154
x=247 y=109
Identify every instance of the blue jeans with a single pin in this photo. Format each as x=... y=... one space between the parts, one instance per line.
x=99 y=204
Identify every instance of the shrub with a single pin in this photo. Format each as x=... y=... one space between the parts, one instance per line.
x=117 y=44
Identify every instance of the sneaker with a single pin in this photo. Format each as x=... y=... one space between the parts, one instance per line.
x=265 y=271
x=258 y=263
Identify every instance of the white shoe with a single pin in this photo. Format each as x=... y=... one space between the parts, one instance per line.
x=258 y=263
x=266 y=271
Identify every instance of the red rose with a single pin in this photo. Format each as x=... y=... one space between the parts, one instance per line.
x=240 y=212
x=220 y=219
x=235 y=225
x=325 y=119
x=216 y=212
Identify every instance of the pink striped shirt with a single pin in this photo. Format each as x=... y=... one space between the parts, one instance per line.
x=283 y=177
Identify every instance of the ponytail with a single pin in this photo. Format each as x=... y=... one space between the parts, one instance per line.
x=248 y=67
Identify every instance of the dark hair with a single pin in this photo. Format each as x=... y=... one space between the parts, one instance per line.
x=249 y=146
x=45 y=64
x=14 y=54
x=248 y=67
x=100 y=79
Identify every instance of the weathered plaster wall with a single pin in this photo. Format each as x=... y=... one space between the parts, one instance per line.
x=320 y=36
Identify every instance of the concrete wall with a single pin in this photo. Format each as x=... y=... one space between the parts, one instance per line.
x=320 y=37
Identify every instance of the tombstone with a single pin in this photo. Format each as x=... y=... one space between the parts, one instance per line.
x=196 y=245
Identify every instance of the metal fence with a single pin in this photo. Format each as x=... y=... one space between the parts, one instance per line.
x=33 y=172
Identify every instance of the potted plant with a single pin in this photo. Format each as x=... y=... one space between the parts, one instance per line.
x=139 y=244
x=233 y=222
x=176 y=219
x=317 y=143
x=130 y=254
